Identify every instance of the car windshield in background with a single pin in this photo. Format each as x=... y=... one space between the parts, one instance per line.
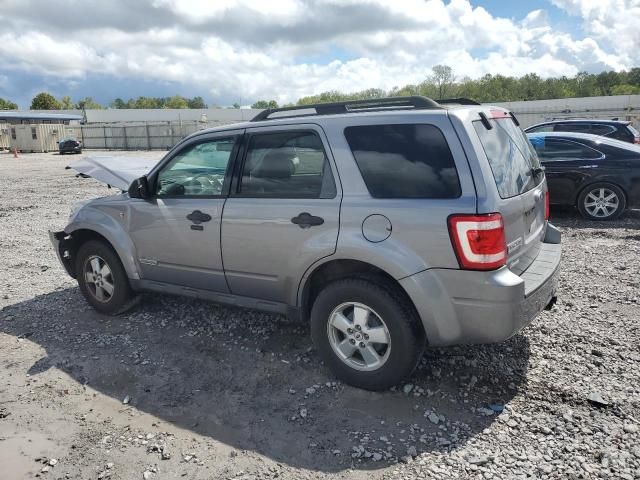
x=511 y=156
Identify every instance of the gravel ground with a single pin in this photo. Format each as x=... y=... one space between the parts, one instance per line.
x=184 y=388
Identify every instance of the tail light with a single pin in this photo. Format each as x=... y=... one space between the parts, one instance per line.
x=478 y=240
x=546 y=205
x=636 y=139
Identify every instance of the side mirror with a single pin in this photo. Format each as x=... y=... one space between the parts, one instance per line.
x=139 y=188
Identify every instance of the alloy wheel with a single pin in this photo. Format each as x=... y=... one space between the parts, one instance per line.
x=601 y=202
x=99 y=278
x=359 y=336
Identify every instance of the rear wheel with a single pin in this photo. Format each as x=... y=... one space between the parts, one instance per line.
x=367 y=333
x=102 y=278
x=601 y=201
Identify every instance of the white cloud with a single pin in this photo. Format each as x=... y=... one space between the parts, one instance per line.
x=252 y=49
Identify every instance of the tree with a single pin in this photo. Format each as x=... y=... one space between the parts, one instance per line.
x=176 y=102
x=118 y=103
x=236 y=105
x=197 y=102
x=87 y=103
x=265 y=104
x=7 y=105
x=66 y=103
x=45 y=101
x=442 y=78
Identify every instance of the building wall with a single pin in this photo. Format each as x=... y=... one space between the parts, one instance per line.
x=46 y=136
x=4 y=136
x=622 y=107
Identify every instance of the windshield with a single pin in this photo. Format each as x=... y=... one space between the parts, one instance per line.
x=511 y=156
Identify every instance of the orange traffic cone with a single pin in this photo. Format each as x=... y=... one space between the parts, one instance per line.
x=15 y=152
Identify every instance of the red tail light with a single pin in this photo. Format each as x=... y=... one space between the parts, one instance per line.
x=478 y=240
x=636 y=139
x=546 y=205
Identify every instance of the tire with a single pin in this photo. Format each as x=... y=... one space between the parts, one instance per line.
x=387 y=309
x=111 y=294
x=601 y=201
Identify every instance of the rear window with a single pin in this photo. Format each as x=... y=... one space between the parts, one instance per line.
x=511 y=156
x=404 y=161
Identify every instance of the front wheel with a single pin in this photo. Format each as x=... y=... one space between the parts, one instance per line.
x=102 y=278
x=367 y=333
x=601 y=201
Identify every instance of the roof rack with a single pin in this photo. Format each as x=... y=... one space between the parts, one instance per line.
x=350 y=106
x=459 y=101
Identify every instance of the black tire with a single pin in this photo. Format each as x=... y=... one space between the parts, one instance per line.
x=595 y=189
x=122 y=297
x=407 y=338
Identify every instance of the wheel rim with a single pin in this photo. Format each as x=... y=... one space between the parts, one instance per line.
x=601 y=202
x=359 y=336
x=99 y=278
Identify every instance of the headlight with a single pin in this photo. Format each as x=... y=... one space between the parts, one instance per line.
x=76 y=208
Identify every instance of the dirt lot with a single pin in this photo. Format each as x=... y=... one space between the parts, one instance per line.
x=186 y=389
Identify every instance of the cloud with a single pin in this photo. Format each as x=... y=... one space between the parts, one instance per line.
x=253 y=49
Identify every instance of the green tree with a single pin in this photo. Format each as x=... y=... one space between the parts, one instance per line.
x=66 y=103
x=7 y=105
x=176 y=102
x=443 y=79
x=118 y=103
x=197 y=102
x=145 y=102
x=625 y=89
x=45 y=101
x=88 y=103
x=236 y=105
x=265 y=104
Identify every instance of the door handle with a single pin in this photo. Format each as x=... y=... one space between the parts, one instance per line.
x=306 y=220
x=198 y=217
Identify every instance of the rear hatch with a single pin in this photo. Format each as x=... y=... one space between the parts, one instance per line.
x=520 y=184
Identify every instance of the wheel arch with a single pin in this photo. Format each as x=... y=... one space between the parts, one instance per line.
x=80 y=233
x=337 y=269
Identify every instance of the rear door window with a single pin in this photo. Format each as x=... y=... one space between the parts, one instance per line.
x=603 y=130
x=573 y=127
x=555 y=149
x=289 y=164
x=511 y=156
x=404 y=161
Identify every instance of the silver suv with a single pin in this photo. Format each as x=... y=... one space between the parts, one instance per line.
x=387 y=224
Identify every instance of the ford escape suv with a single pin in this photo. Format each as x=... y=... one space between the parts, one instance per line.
x=389 y=224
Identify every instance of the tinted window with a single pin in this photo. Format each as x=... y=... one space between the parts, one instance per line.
x=573 y=127
x=404 y=161
x=287 y=165
x=197 y=169
x=557 y=149
x=541 y=128
x=626 y=134
x=511 y=156
x=600 y=129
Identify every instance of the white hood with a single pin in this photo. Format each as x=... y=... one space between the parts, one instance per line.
x=118 y=172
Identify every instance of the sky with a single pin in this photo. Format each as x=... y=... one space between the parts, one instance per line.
x=245 y=50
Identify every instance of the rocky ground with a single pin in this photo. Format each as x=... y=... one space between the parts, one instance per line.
x=186 y=389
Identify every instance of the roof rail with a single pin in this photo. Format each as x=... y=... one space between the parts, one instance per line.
x=459 y=101
x=350 y=106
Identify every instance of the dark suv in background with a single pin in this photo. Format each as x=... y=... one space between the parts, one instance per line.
x=606 y=128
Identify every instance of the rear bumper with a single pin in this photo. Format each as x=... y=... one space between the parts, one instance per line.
x=465 y=307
